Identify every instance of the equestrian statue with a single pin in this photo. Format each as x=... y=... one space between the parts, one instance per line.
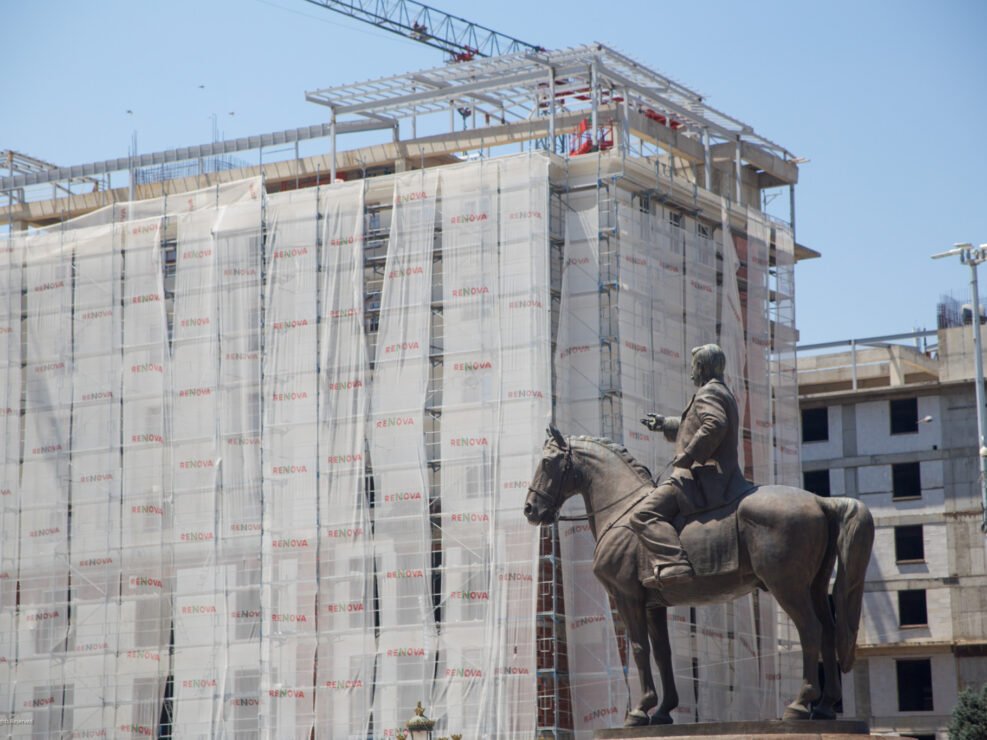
x=705 y=535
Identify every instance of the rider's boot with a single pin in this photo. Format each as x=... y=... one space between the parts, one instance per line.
x=673 y=566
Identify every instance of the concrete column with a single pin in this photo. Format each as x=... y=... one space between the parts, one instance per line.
x=849 y=417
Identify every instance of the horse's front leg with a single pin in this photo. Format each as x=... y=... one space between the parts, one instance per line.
x=632 y=613
x=658 y=630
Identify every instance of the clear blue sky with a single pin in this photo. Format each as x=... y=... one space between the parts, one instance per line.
x=888 y=99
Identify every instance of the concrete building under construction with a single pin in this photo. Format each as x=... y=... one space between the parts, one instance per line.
x=268 y=429
x=892 y=421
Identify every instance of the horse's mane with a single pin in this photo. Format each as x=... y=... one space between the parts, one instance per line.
x=620 y=451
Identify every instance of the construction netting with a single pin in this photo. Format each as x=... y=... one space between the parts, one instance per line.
x=674 y=282
x=263 y=457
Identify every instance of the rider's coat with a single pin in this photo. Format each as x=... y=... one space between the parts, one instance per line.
x=708 y=431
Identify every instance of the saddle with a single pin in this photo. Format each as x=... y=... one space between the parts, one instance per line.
x=710 y=538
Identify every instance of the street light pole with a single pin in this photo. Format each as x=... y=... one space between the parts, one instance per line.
x=973 y=256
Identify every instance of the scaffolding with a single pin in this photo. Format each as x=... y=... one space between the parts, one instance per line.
x=336 y=375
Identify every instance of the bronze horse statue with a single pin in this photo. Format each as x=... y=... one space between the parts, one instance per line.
x=787 y=541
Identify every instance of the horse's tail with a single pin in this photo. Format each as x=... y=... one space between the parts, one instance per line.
x=854 y=539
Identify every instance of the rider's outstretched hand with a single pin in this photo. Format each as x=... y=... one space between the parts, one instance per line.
x=654 y=422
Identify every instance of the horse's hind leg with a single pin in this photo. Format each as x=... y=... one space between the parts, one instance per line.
x=658 y=631
x=632 y=613
x=833 y=691
x=796 y=600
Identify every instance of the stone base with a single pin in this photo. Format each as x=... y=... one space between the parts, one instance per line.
x=773 y=729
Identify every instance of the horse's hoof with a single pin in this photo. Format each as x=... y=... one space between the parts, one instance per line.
x=636 y=718
x=796 y=711
x=661 y=718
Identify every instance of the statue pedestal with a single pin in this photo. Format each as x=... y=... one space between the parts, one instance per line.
x=771 y=729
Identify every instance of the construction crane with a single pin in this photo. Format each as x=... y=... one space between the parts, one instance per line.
x=461 y=39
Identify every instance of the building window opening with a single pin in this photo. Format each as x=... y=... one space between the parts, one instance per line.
x=815 y=425
x=908 y=544
x=906 y=481
x=912 y=611
x=816 y=481
x=904 y=415
x=914 y=685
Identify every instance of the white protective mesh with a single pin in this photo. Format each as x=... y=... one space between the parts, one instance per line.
x=758 y=347
x=788 y=464
x=95 y=475
x=509 y=707
x=347 y=647
x=732 y=338
x=471 y=389
x=44 y=536
x=200 y=609
x=11 y=258
x=596 y=680
x=145 y=606
x=237 y=242
x=700 y=285
x=668 y=318
x=637 y=271
x=289 y=505
x=402 y=530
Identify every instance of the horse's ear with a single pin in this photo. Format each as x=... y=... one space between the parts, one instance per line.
x=557 y=436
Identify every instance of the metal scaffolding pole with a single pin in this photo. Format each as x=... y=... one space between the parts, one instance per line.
x=707 y=160
x=332 y=143
x=594 y=92
x=973 y=256
x=551 y=109
x=737 y=174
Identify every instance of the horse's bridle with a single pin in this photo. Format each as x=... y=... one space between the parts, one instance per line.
x=555 y=499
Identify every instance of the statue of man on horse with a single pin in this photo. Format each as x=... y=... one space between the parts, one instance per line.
x=715 y=537
x=706 y=473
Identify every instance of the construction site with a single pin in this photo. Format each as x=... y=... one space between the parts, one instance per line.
x=269 y=420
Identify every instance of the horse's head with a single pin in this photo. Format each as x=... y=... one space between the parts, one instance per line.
x=553 y=479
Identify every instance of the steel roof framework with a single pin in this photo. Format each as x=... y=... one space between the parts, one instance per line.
x=527 y=85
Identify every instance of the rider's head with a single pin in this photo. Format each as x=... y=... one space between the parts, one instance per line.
x=708 y=362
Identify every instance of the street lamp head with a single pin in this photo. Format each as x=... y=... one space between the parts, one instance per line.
x=420 y=726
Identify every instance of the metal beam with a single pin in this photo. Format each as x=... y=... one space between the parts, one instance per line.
x=883 y=339
x=443 y=85
x=183 y=154
x=444 y=93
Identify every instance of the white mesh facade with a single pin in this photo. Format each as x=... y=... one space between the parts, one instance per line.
x=681 y=282
x=263 y=457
